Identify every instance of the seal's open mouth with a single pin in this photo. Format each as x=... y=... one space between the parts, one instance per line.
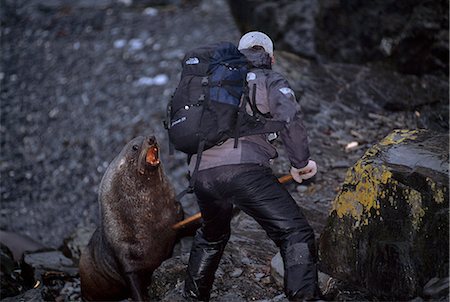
x=148 y=159
x=152 y=157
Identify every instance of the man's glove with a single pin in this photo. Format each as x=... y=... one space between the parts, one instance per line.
x=304 y=173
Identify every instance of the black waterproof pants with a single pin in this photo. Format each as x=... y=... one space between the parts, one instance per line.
x=256 y=191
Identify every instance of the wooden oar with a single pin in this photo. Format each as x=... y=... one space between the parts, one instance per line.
x=198 y=215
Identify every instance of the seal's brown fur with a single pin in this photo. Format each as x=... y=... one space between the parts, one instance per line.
x=137 y=208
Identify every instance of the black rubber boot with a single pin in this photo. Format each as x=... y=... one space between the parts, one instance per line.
x=300 y=278
x=203 y=262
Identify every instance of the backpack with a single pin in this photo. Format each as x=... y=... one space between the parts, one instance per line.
x=208 y=106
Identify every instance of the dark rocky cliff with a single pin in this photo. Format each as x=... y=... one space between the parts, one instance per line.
x=409 y=36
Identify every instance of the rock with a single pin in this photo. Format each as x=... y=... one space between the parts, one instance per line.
x=76 y=242
x=259 y=276
x=43 y=266
x=169 y=275
x=34 y=295
x=302 y=189
x=277 y=269
x=388 y=229
x=290 y=23
x=7 y=262
x=19 y=243
x=55 y=275
x=410 y=36
x=174 y=294
x=49 y=5
x=71 y=291
x=236 y=273
x=231 y=297
x=10 y=281
x=362 y=89
x=436 y=288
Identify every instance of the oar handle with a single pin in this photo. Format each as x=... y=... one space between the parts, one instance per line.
x=198 y=215
x=285 y=178
x=188 y=220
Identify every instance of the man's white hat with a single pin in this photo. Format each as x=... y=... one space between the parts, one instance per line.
x=255 y=38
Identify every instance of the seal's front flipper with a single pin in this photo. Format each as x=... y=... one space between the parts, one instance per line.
x=138 y=283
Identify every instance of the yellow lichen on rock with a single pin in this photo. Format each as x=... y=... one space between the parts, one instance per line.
x=414 y=198
x=369 y=183
x=438 y=193
x=398 y=136
x=363 y=183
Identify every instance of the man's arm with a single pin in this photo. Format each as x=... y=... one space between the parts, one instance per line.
x=284 y=107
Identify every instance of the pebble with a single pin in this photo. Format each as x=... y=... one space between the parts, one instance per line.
x=136 y=44
x=150 y=11
x=302 y=189
x=340 y=164
x=120 y=43
x=259 y=276
x=158 y=80
x=236 y=273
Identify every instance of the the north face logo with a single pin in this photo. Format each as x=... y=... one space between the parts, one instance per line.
x=192 y=61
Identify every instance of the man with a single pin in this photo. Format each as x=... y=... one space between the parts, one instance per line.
x=242 y=177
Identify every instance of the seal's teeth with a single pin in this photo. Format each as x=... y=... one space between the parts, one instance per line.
x=152 y=157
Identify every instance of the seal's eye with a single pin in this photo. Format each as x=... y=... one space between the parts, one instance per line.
x=135 y=147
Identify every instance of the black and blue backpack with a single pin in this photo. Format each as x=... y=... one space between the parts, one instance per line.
x=209 y=104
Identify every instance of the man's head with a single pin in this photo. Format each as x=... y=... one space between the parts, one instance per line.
x=256 y=38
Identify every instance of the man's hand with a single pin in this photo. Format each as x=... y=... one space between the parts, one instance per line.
x=304 y=173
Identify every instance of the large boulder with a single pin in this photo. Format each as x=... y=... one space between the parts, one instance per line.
x=409 y=35
x=388 y=231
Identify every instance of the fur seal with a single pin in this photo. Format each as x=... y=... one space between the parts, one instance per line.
x=137 y=209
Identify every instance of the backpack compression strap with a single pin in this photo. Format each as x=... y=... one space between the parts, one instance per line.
x=240 y=115
x=201 y=145
x=193 y=179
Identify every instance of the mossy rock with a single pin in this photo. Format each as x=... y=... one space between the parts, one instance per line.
x=388 y=230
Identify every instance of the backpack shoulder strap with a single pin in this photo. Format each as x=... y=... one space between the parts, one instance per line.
x=258 y=122
x=258 y=79
x=240 y=114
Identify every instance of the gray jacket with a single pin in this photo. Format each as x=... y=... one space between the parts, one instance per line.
x=274 y=95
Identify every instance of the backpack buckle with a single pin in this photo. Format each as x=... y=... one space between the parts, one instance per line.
x=260 y=118
x=190 y=189
x=205 y=81
x=272 y=136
